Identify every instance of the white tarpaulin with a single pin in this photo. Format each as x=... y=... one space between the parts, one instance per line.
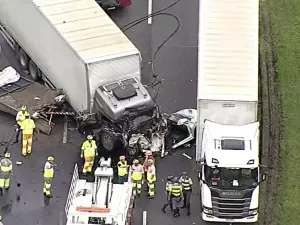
x=8 y=75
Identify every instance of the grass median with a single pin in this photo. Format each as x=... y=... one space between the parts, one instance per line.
x=284 y=19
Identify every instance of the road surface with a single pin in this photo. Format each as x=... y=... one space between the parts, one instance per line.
x=176 y=65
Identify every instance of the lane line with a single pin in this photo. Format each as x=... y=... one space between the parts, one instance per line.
x=150 y=11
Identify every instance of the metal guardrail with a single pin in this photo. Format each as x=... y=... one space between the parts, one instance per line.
x=72 y=189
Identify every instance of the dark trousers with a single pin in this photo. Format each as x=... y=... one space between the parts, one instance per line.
x=123 y=179
x=187 y=200
x=18 y=132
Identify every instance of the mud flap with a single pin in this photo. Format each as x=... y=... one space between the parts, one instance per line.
x=42 y=126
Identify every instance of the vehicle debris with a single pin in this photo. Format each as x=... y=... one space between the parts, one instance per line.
x=186 y=156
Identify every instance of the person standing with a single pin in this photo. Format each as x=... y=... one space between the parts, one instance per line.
x=89 y=152
x=137 y=177
x=122 y=170
x=19 y=119
x=27 y=127
x=6 y=169
x=148 y=155
x=176 y=196
x=151 y=178
x=48 y=176
x=186 y=183
x=168 y=189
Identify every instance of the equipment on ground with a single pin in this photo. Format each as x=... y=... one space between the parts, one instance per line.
x=99 y=202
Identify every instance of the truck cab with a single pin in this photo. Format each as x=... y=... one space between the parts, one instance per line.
x=230 y=174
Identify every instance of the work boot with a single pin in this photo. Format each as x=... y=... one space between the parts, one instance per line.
x=1 y=191
x=7 y=188
x=164 y=208
x=188 y=212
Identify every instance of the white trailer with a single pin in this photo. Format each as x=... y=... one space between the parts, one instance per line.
x=73 y=45
x=101 y=201
x=227 y=128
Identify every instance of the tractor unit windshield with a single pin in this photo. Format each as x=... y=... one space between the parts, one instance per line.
x=231 y=178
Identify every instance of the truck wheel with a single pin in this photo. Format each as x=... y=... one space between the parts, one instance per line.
x=23 y=59
x=107 y=141
x=33 y=71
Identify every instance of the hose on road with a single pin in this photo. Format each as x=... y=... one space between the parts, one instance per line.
x=157 y=13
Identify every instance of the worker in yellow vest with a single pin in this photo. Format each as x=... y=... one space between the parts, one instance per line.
x=176 y=196
x=48 y=176
x=27 y=127
x=89 y=152
x=122 y=170
x=137 y=177
x=19 y=119
x=6 y=167
x=151 y=178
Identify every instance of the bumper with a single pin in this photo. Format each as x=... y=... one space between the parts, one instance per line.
x=209 y=218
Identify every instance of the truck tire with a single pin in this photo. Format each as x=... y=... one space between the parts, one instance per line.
x=107 y=140
x=23 y=59
x=33 y=71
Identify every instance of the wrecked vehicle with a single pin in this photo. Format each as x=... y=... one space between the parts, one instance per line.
x=95 y=65
x=182 y=126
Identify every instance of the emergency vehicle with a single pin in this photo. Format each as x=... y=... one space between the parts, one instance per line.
x=100 y=201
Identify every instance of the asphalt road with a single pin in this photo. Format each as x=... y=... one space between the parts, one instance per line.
x=176 y=64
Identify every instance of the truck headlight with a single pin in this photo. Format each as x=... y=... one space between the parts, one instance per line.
x=252 y=212
x=207 y=210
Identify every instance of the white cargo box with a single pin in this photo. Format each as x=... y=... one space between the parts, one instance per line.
x=74 y=42
x=227 y=63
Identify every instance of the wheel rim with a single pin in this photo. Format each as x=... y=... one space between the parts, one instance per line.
x=107 y=142
x=23 y=60
x=33 y=71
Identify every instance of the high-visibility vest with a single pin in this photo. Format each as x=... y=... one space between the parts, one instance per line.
x=145 y=164
x=6 y=165
x=176 y=190
x=168 y=186
x=48 y=170
x=122 y=168
x=89 y=148
x=27 y=126
x=21 y=117
x=137 y=172
x=186 y=183
x=151 y=174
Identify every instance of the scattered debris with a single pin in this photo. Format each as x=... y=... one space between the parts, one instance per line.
x=187 y=156
x=37 y=98
x=19 y=163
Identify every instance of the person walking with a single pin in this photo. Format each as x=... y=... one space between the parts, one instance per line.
x=122 y=170
x=151 y=178
x=6 y=170
x=168 y=189
x=137 y=177
x=89 y=153
x=176 y=196
x=19 y=119
x=27 y=127
x=48 y=176
x=186 y=183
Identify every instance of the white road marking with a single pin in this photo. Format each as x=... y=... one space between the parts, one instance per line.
x=144 y=218
x=150 y=11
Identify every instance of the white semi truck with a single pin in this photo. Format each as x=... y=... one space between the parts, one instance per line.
x=227 y=142
x=74 y=46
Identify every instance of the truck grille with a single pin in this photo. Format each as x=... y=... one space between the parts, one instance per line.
x=231 y=208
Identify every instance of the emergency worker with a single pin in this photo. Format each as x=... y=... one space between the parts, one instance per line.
x=89 y=152
x=48 y=176
x=6 y=167
x=151 y=178
x=148 y=155
x=137 y=177
x=122 y=170
x=27 y=127
x=186 y=184
x=176 y=196
x=19 y=119
x=168 y=189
